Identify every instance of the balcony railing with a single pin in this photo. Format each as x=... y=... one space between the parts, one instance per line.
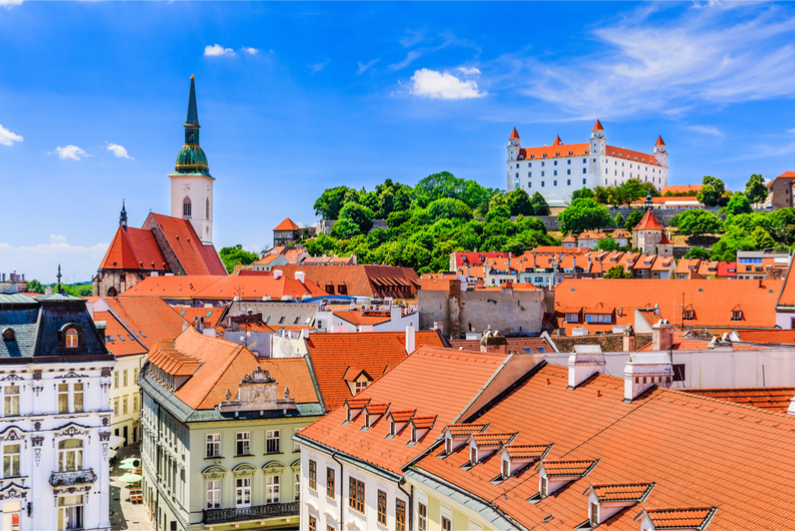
x=272 y=510
x=73 y=477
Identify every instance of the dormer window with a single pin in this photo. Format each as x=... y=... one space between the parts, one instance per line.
x=448 y=445
x=71 y=338
x=544 y=487
x=506 y=469
x=414 y=435
x=688 y=314
x=473 y=455
x=737 y=315
x=593 y=514
x=360 y=386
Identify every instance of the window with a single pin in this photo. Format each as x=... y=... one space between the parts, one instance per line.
x=124 y=406
x=214 y=445
x=737 y=315
x=330 y=488
x=243 y=492
x=63 y=398
x=447 y=525
x=542 y=182
x=207 y=209
x=679 y=372
x=594 y=515
x=272 y=486
x=597 y=318
x=77 y=397
x=11 y=400
x=400 y=515
x=448 y=446
x=214 y=494
x=422 y=517
x=71 y=338
x=360 y=386
x=186 y=207
x=688 y=314
x=572 y=318
x=135 y=372
x=356 y=495
x=382 y=507
x=135 y=403
x=312 y=475
x=115 y=379
x=244 y=443
x=544 y=487
x=342 y=289
x=297 y=486
x=273 y=439
x=506 y=469
x=473 y=455
x=11 y=460
x=116 y=407
x=70 y=455
x=312 y=523
x=281 y=321
x=555 y=173
x=124 y=378
x=555 y=183
x=583 y=181
x=70 y=512
x=583 y=170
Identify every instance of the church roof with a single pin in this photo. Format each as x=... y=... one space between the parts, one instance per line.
x=514 y=134
x=194 y=257
x=191 y=159
x=648 y=222
x=134 y=249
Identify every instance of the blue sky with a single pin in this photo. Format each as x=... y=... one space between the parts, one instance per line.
x=297 y=97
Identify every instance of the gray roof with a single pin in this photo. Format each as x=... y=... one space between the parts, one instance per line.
x=273 y=312
x=16 y=298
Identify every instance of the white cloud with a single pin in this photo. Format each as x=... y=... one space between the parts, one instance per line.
x=468 y=71
x=707 y=130
x=7 y=138
x=713 y=54
x=41 y=261
x=315 y=68
x=791 y=131
x=441 y=85
x=410 y=58
x=70 y=152
x=9 y=3
x=217 y=50
x=250 y=51
x=412 y=38
x=363 y=67
x=118 y=151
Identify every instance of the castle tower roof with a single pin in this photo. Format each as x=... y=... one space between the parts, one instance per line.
x=514 y=134
x=648 y=222
x=557 y=142
x=659 y=141
x=598 y=126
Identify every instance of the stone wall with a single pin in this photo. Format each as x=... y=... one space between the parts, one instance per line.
x=608 y=342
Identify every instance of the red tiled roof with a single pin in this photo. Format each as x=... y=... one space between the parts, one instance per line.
x=465 y=430
x=773 y=336
x=171 y=287
x=514 y=134
x=114 y=332
x=363 y=318
x=463 y=259
x=440 y=382
x=194 y=257
x=621 y=492
x=557 y=141
x=683 y=343
x=679 y=518
x=648 y=222
x=287 y=224
x=134 y=249
x=567 y=467
x=515 y=344
x=727 y=269
x=770 y=398
x=659 y=141
x=150 y=318
x=598 y=126
x=526 y=451
x=211 y=315
x=679 y=188
x=492 y=439
x=402 y=415
x=373 y=352
x=256 y=287
x=423 y=423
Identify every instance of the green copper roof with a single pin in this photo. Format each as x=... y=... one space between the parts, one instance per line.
x=191 y=159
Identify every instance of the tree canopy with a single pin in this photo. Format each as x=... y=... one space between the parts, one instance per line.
x=755 y=189
x=711 y=192
x=696 y=222
x=235 y=255
x=584 y=214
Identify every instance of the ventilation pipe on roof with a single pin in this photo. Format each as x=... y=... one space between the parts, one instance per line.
x=645 y=369
x=410 y=338
x=662 y=335
x=584 y=362
x=629 y=339
x=277 y=274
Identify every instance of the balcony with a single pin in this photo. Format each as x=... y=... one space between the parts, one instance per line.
x=73 y=477
x=272 y=510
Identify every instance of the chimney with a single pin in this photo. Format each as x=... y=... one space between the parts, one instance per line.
x=101 y=325
x=662 y=335
x=584 y=362
x=629 y=339
x=299 y=276
x=437 y=325
x=410 y=338
x=395 y=313
x=277 y=274
x=645 y=369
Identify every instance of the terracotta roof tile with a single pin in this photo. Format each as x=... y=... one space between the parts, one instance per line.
x=770 y=398
x=465 y=430
x=680 y=518
x=114 y=331
x=621 y=492
x=194 y=257
x=424 y=423
x=648 y=222
x=134 y=249
x=567 y=467
x=527 y=451
x=149 y=318
x=522 y=345
x=287 y=224
x=514 y=134
x=492 y=439
x=680 y=188
x=404 y=415
x=211 y=315
x=170 y=287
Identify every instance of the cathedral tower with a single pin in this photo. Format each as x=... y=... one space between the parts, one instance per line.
x=191 y=182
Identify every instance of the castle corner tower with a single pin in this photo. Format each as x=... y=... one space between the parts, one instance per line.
x=191 y=182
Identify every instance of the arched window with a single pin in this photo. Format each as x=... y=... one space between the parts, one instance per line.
x=207 y=209
x=70 y=455
x=71 y=338
x=186 y=207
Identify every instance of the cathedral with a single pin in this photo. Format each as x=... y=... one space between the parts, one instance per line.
x=179 y=244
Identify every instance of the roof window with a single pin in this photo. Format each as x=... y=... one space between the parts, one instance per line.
x=686 y=518
x=456 y=435
x=606 y=500
x=555 y=474
x=517 y=457
x=420 y=426
x=373 y=412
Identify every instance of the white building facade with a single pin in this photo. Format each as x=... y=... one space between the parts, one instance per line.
x=55 y=378
x=558 y=170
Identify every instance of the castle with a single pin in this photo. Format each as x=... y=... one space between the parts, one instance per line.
x=558 y=170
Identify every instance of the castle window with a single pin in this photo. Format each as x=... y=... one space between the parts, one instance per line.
x=71 y=338
x=568 y=172
x=207 y=209
x=583 y=170
x=568 y=182
x=186 y=207
x=556 y=172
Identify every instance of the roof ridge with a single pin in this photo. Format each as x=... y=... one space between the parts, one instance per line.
x=684 y=392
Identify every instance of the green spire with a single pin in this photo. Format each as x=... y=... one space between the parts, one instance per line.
x=191 y=158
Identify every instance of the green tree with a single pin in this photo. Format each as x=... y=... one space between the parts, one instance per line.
x=500 y=212
x=711 y=191
x=695 y=222
x=345 y=229
x=359 y=215
x=617 y=272
x=633 y=219
x=330 y=202
x=755 y=189
x=34 y=286
x=739 y=204
x=602 y=195
x=584 y=214
x=607 y=244
x=735 y=239
x=447 y=208
x=583 y=193
x=618 y=221
x=235 y=255
x=540 y=206
x=697 y=252
x=519 y=203
x=398 y=218
x=630 y=191
x=321 y=245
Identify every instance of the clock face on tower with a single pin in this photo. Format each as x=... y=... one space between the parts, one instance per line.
x=186 y=188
